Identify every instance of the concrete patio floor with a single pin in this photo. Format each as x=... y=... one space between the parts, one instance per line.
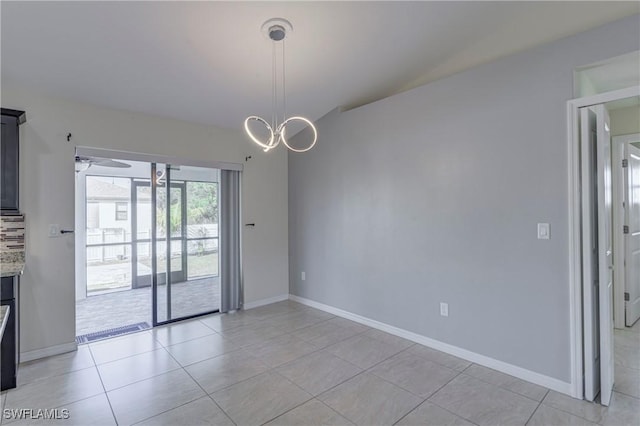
x=117 y=309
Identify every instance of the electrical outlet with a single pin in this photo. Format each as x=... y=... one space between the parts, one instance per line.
x=544 y=232
x=54 y=230
x=304 y=276
x=444 y=309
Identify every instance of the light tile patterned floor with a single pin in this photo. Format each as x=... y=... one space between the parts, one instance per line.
x=288 y=364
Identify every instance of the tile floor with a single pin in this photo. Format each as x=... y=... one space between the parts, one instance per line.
x=288 y=364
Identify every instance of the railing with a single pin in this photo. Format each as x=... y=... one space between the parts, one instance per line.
x=113 y=244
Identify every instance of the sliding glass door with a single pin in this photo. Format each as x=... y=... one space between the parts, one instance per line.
x=183 y=242
x=152 y=251
x=141 y=229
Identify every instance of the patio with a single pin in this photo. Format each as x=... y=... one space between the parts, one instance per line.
x=116 y=309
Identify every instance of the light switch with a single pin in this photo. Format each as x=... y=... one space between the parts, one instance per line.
x=54 y=231
x=444 y=309
x=543 y=231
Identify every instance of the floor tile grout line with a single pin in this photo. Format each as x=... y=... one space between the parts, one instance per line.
x=440 y=363
x=334 y=343
x=364 y=370
x=441 y=387
x=422 y=398
x=338 y=384
x=446 y=409
x=370 y=367
x=56 y=375
x=131 y=356
x=128 y=356
x=186 y=340
x=206 y=395
x=332 y=388
x=317 y=349
x=113 y=413
x=221 y=409
x=433 y=403
x=271 y=316
x=119 y=338
x=533 y=413
x=180 y=367
x=228 y=386
x=73 y=401
x=236 y=383
x=203 y=389
x=502 y=387
x=571 y=413
x=370 y=371
x=334 y=410
x=170 y=409
x=626 y=394
x=298 y=405
x=507 y=390
x=146 y=378
x=315 y=352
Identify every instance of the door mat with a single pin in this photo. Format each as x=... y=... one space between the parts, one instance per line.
x=112 y=332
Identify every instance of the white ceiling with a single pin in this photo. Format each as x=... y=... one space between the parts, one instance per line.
x=208 y=62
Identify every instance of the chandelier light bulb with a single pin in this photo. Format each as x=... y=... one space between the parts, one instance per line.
x=276 y=30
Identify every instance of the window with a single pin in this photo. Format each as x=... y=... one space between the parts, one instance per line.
x=122 y=211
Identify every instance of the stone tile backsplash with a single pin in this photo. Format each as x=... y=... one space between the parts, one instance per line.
x=12 y=238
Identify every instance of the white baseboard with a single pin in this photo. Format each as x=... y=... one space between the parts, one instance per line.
x=513 y=370
x=268 y=301
x=50 y=351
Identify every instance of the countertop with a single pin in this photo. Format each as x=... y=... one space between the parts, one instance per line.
x=11 y=269
x=4 y=315
x=11 y=263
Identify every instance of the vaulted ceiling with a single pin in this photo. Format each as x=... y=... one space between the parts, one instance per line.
x=208 y=62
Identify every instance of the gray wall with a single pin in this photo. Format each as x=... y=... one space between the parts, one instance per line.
x=434 y=194
x=47 y=192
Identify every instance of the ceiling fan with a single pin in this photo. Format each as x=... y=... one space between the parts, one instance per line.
x=83 y=163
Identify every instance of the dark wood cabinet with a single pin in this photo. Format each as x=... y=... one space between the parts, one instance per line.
x=10 y=158
x=10 y=345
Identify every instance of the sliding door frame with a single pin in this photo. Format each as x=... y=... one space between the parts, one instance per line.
x=183 y=241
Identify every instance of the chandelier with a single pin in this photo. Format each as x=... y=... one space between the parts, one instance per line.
x=276 y=29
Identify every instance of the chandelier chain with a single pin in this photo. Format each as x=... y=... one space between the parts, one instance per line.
x=274 y=91
x=284 y=92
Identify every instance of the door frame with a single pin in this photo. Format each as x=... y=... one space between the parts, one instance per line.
x=618 y=145
x=576 y=330
x=139 y=281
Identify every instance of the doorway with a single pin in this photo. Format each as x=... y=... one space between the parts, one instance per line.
x=147 y=245
x=626 y=152
x=610 y=358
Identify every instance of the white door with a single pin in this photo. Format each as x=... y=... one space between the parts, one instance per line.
x=590 y=294
x=632 y=237
x=605 y=252
x=597 y=253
